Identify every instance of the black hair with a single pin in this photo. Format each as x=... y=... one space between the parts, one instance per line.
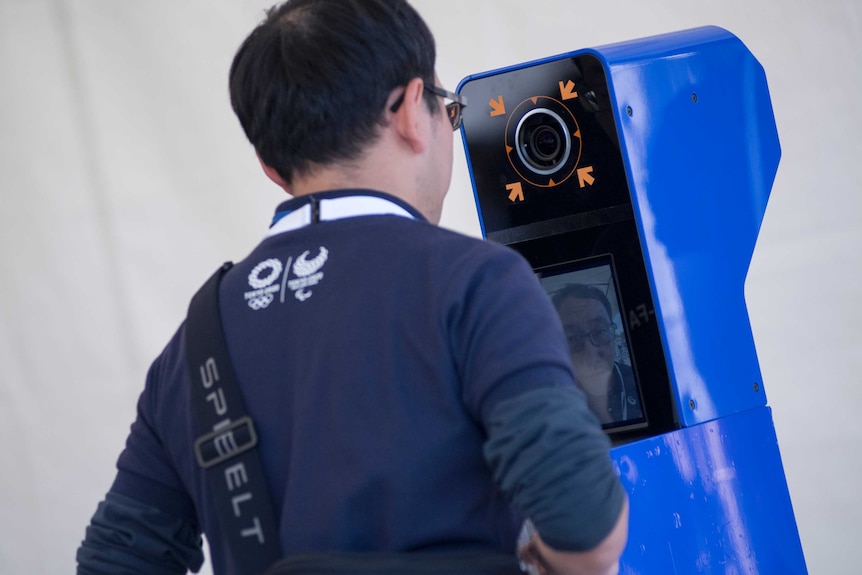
x=581 y=291
x=310 y=83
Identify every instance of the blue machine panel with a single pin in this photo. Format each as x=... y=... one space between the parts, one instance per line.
x=699 y=136
x=673 y=134
x=711 y=498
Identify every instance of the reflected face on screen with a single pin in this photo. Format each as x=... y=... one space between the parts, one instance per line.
x=590 y=335
x=587 y=301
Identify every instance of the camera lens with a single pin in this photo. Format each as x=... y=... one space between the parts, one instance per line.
x=543 y=141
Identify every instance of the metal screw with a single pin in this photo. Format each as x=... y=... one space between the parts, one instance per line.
x=691 y=403
x=694 y=97
x=629 y=110
x=756 y=387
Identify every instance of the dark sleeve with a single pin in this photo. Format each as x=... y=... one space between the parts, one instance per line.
x=548 y=454
x=128 y=537
x=506 y=334
x=158 y=452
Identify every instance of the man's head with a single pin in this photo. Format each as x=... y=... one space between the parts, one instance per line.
x=585 y=312
x=311 y=83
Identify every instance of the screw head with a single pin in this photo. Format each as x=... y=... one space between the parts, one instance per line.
x=694 y=97
x=692 y=404
x=629 y=111
x=756 y=387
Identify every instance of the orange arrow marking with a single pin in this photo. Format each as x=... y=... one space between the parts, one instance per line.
x=517 y=192
x=535 y=100
x=552 y=183
x=585 y=177
x=498 y=108
x=578 y=134
x=567 y=91
x=509 y=149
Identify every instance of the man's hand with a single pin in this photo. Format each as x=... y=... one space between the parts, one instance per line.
x=541 y=559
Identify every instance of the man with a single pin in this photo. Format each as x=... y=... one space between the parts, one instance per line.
x=410 y=386
x=585 y=312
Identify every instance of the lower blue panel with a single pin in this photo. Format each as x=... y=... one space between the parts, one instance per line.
x=710 y=499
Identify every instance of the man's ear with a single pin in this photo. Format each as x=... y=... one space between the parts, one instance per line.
x=411 y=119
x=273 y=175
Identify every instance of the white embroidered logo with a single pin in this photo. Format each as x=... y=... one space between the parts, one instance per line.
x=308 y=272
x=264 y=277
x=261 y=279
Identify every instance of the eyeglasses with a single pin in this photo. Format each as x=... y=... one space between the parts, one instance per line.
x=453 y=109
x=599 y=336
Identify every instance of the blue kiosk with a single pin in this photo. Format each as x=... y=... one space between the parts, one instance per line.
x=643 y=169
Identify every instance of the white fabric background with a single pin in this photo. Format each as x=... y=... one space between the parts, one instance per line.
x=125 y=180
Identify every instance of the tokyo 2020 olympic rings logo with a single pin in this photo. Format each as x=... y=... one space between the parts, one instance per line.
x=261 y=279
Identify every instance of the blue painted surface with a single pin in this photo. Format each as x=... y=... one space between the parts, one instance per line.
x=711 y=498
x=701 y=149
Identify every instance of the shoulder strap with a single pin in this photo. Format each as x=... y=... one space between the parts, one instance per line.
x=226 y=439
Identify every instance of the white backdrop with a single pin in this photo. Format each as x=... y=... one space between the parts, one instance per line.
x=125 y=180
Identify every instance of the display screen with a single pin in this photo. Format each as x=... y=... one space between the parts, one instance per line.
x=585 y=295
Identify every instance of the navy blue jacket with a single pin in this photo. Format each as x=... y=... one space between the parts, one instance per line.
x=379 y=357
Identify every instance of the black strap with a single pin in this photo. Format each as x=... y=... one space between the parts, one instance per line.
x=226 y=439
x=416 y=563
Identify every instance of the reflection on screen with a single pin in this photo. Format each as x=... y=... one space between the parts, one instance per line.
x=587 y=300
